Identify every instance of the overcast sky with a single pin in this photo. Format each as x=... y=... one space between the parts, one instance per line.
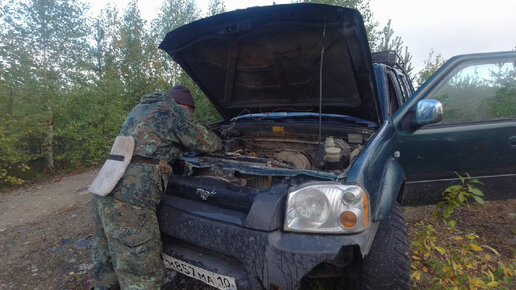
x=449 y=27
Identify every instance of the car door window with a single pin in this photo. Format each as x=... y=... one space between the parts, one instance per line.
x=404 y=94
x=394 y=93
x=408 y=90
x=478 y=93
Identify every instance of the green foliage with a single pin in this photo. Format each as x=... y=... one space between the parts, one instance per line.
x=67 y=83
x=483 y=92
x=457 y=195
x=387 y=42
x=173 y=14
x=176 y=13
x=12 y=131
x=11 y=158
x=204 y=110
x=446 y=257
x=43 y=60
x=432 y=63
x=503 y=104
x=132 y=59
x=379 y=40
x=216 y=7
x=363 y=6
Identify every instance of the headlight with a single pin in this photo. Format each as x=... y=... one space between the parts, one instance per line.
x=327 y=207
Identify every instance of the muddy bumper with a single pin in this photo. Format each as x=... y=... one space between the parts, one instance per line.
x=223 y=242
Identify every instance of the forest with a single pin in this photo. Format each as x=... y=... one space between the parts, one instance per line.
x=68 y=76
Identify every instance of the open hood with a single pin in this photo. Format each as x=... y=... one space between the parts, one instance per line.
x=265 y=59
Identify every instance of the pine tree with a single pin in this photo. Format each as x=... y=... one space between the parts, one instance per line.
x=387 y=42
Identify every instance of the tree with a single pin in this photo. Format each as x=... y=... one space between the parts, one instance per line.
x=133 y=59
x=387 y=42
x=103 y=100
x=204 y=110
x=361 y=5
x=49 y=38
x=216 y=7
x=173 y=14
x=378 y=40
x=503 y=105
x=176 y=13
x=13 y=126
x=432 y=63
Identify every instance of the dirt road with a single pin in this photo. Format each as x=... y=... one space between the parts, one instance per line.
x=45 y=233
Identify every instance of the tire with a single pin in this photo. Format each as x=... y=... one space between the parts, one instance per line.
x=387 y=265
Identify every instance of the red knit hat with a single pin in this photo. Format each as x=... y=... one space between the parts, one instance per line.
x=182 y=96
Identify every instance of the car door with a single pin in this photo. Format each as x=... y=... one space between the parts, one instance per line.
x=477 y=134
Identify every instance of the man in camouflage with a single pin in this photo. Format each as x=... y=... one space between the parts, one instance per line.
x=126 y=249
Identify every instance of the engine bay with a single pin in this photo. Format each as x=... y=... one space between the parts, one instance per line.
x=260 y=154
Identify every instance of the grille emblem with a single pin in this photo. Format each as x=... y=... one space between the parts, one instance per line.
x=204 y=194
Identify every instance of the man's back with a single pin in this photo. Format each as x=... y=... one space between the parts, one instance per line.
x=163 y=130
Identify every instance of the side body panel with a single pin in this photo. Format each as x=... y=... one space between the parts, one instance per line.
x=485 y=149
x=432 y=156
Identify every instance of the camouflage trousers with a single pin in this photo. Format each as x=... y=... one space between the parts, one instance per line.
x=126 y=248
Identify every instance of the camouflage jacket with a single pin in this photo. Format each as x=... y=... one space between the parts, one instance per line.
x=161 y=130
x=164 y=130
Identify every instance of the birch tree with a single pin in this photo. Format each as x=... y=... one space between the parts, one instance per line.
x=50 y=37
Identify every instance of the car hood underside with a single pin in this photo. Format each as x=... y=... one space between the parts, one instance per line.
x=266 y=59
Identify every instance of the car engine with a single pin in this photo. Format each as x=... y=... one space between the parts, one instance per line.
x=259 y=156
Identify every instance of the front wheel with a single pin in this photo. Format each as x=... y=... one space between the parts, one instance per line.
x=387 y=265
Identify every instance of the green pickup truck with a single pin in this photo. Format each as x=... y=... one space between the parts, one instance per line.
x=322 y=145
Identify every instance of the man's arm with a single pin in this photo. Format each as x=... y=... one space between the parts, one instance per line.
x=193 y=135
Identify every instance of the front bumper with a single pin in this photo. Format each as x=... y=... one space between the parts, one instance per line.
x=255 y=258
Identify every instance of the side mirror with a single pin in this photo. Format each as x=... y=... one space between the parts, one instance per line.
x=428 y=112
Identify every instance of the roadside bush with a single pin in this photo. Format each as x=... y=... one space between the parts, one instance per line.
x=458 y=195
x=13 y=157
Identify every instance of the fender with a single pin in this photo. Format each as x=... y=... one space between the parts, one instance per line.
x=392 y=183
x=378 y=171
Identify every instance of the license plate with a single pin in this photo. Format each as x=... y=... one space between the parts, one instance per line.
x=208 y=277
